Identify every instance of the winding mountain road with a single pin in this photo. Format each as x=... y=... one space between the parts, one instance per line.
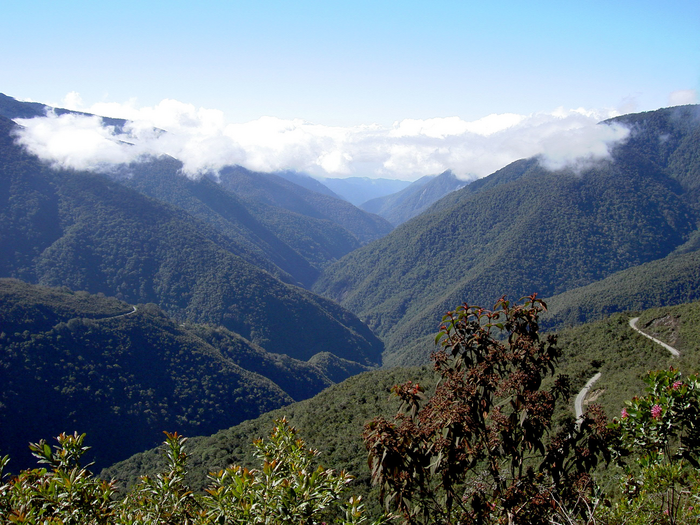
x=633 y=325
x=135 y=309
x=578 y=404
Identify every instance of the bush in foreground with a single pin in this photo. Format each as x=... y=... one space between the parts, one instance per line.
x=483 y=448
x=287 y=489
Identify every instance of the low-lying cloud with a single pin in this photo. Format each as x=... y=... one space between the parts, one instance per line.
x=205 y=142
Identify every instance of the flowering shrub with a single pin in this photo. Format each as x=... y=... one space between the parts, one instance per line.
x=664 y=424
x=661 y=433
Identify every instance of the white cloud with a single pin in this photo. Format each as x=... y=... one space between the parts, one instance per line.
x=682 y=97
x=75 y=141
x=204 y=141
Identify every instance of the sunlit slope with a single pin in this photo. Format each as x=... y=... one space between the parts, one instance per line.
x=526 y=229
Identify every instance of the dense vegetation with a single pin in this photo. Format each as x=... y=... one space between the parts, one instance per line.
x=671 y=280
x=526 y=228
x=287 y=488
x=283 y=242
x=543 y=465
x=333 y=420
x=109 y=368
x=483 y=447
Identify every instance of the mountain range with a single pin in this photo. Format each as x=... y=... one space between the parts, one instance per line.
x=276 y=288
x=88 y=232
x=528 y=229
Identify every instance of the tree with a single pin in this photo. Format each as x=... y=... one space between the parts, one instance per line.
x=477 y=450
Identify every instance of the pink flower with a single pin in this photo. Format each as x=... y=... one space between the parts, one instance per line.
x=677 y=384
x=656 y=411
x=624 y=413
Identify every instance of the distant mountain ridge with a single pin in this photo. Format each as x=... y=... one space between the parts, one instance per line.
x=358 y=190
x=274 y=190
x=308 y=182
x=399 y=207
x=11 y=108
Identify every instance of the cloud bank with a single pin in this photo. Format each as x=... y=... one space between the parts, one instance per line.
x=205 y=142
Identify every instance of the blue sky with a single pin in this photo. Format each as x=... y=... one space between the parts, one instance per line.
x=347 y=64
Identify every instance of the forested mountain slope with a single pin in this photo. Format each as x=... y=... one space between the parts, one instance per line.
x=399 y=207
x=83 y=231
x=75 y=361
x=527 y=229
x=274 y=190
x=331 y=422
x=273 y=238
x=291 y=245
x=672 y=280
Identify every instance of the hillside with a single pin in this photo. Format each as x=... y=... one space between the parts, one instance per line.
x=292 y=246
x=664 y=282
x=399 y=207
x=83 y=231
x=333 y=420
x=527 y=229
x=274 y=190
x=123 y=374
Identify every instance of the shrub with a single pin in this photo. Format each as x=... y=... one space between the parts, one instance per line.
x=287 y=489
x=660 y=432
x=477 y=450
